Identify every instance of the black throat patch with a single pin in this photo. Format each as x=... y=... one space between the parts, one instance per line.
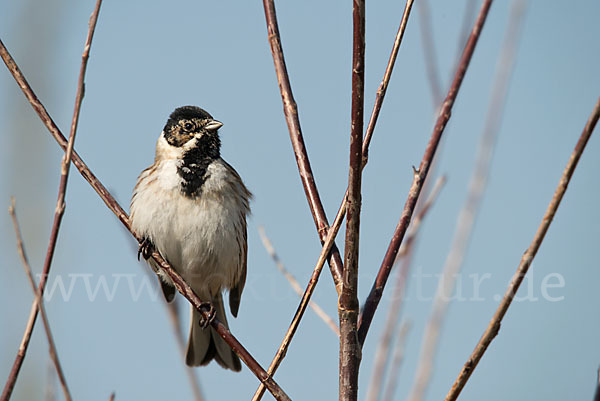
x=193 y=169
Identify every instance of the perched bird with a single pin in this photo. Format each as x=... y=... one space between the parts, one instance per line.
x=191 y=206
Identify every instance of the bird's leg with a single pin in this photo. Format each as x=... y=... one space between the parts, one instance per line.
x=210 y=309
x=145 y=249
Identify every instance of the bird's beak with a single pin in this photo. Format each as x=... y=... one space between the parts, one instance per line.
x=213 y=125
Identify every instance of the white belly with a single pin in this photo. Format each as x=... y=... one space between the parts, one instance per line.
x=200 y=238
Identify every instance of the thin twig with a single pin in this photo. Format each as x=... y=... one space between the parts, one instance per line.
x=290 y=110
x=62 y=189
x=381 y=91
x=293 y=282
x=494 y=325
x=333 y=231
x=468 y=214
x=114 y=206
x=420 y=216
x=237 y=347
x=397 y=360
x=382 y=354
x=419 y=177
x=350 y=354
x=38 y=302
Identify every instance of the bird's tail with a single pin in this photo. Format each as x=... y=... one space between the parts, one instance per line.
x=206 y=344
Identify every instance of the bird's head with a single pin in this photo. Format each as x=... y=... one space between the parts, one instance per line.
x=190 y=128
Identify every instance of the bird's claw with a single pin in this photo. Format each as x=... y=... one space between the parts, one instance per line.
x=145 y=249
x=210 y=309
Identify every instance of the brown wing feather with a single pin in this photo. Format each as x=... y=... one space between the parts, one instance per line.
x=235 y=294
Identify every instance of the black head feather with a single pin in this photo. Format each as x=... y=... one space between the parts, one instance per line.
x=183 y=126
x=186 y=113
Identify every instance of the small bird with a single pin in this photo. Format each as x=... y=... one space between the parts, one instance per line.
x=191 y=207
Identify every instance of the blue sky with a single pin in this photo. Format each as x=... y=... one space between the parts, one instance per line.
x=148 y=58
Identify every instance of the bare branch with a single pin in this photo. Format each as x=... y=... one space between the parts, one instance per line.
x=384 y=85
x=350 y=354
x=382 y=353
x=419 y=177
x=494 y=325
x=397 y=360
x=332 y=233
x=38 y=302
x=114 y=206
x=293 y=282
x=468 y=214
x=420 y=216
x=290 y=110
x=60 y=202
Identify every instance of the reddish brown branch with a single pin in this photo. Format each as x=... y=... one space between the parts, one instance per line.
x=62 y=189
x=419 y=177
x=468 y=213
x=350 y=354
x=494 y=326
x=384 y=83
x=38 y=303
x=113 y=205
x=290 y=110
x=332 y=233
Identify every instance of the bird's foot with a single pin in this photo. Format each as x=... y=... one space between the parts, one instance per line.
x=146 y=248
x=210 y=309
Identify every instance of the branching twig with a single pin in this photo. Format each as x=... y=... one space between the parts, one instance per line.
x=38 y=302
x=467 y=215
x=332 y=232
x=290 y=110
x=62 y=189
x=383 y=86
x=419 y=177
x=114 y=206
x=293 y=282
x=350 y=354
x=494 y=325
x=397 y=360
x=382 y=354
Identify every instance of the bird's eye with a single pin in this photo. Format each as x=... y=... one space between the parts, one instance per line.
x=188 y=126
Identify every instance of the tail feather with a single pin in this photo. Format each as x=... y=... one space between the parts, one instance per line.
x=204 y=345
